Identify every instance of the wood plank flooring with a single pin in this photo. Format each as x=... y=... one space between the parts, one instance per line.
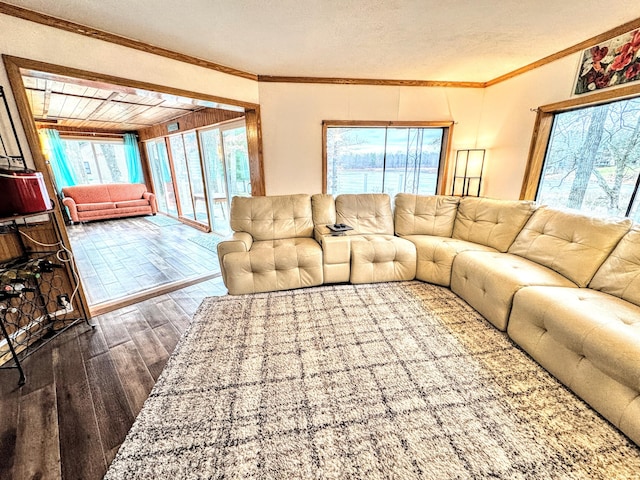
x=120 y=257
x=85 y=388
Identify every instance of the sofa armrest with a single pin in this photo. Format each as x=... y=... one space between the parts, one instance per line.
x=70 y=203
x=152 y=201
x=238 y=242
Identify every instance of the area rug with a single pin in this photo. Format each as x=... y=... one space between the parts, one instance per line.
x=381 y=381
x=209 y=241
x=162 y=220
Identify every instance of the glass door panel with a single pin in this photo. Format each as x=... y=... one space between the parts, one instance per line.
x=236 y=157
x=210 y=142
x=182 y=177
x=161 y=177
x=195 y=175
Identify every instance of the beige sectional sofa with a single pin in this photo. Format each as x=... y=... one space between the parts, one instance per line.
x=564 y=286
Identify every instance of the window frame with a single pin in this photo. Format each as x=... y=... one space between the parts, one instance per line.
x=445 y=154
x=93 y=139
x=543 y=128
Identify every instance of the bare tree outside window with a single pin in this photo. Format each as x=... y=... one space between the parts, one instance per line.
x=593 y=160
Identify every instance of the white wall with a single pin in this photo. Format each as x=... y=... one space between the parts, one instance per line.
x=507 y=122
x=292 y=116
x=30 y=40
x=497 y=118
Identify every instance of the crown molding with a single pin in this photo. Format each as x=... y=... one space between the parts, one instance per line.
x=72 y=27
x=79 y=29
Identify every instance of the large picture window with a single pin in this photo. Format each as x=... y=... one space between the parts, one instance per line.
x=361 y=157
x=585 y=155
x=96 y=161
x=593 y=160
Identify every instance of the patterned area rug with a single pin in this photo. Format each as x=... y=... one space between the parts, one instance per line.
x=209 y=241
x=380 y=381
x=162 y=220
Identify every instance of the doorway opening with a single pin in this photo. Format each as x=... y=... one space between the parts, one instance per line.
x=195 y=151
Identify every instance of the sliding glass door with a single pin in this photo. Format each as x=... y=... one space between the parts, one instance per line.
x=195 y=174
x=226 y=162
x=162 y=177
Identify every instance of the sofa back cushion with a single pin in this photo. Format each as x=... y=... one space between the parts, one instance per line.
x=88 y=193
x=489 y=222
x=323 y=208
x=425 y=215
x=619 y=275
x=572 y=244
x=126 y=191
x=274 y=217
x=367 y=213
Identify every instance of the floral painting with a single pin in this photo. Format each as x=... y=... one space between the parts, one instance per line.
x=611 y=63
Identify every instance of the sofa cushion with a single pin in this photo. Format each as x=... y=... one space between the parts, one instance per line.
x=436 y=254
x=87 y=207
x=590 y=341
x=572 y=244
x=619 y=275
x=132 y=203
x=488 y=281
x=273 y=217
x=87 y=193
x=494 y=223
x=382 y=258
x=425 y=215
x=270 y=265
x=367 y=213
x=126 y=191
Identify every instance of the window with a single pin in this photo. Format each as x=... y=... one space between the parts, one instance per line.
x=96 y=161
x=394 y=157
x=587 y=157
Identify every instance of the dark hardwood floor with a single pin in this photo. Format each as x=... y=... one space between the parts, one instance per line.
x=85 y=388
x=120 y=257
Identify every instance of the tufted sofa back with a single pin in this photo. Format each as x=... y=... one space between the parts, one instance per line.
x=619 y=275
x=425 y=215
x=274 y=217
x=367 y=213
x=573 y=245
x=489 y=222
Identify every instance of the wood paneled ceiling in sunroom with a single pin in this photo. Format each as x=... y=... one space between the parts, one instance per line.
x=60 y=101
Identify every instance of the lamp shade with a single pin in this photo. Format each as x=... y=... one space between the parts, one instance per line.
x=467 y=177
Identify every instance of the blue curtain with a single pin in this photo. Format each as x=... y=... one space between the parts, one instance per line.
x=132 y=154
x=62 y=171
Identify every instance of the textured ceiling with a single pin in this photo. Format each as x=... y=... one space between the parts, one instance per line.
x=471 y=40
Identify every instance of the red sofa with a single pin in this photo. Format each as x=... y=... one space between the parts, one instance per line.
x=114 y=200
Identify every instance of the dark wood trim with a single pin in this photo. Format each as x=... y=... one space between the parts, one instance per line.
x=537 y=152
x=94 y=33
x=382 y=123
x=596 y=98
x=40 y=163
x=190 y=121
x=370 y=81
x=106 y=307
x=443 y=168
x=79 y=29
x=609 y=34
x=28 y=64
x=253 y=125
x=81 y=131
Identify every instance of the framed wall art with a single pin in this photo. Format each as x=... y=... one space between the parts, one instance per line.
x=611 y=63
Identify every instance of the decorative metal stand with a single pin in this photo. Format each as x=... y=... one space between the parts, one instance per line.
x=33 y=307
